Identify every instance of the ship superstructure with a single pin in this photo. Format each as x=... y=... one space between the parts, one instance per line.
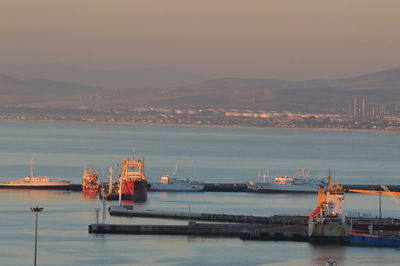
x=90 y=181
x=327 y=221
x=132 y=180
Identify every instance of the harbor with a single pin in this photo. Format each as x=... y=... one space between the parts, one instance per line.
x=326 y=224
x=63 y=225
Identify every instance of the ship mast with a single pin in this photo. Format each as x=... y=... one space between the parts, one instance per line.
x=31 y=168
x=111 y=176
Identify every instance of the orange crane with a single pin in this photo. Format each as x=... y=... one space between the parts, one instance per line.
x=394 y=196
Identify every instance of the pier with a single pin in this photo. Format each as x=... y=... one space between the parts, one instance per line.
x=191 y=229
x=245 y=232
x=223 y=187
x=358 y=222
x=209 y=217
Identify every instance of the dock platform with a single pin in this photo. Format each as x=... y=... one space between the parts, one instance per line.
x=244 y=232
x=128 y=211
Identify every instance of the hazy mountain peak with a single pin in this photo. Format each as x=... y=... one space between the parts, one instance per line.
x=113 y=78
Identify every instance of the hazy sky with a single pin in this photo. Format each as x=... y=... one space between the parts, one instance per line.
x=287 y=39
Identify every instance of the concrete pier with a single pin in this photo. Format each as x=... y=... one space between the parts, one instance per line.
x=358 y=222
x=225 y=230
x=127 y=211
x=245 y=232
x=218 y=187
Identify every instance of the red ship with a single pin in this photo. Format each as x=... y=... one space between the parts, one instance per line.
x=90 y=183
x=132 y=180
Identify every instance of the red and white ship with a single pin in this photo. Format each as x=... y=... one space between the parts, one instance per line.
x=132 y=180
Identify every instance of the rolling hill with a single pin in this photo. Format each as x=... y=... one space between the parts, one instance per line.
x=267 y=94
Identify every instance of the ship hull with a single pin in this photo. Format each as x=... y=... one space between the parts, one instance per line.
x=35 y=187
x=281 y=188
x=176 y=187
x=135 y=190
x=372 y=240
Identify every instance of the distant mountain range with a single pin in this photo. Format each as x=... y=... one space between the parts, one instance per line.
x=267 y=94
x=118 y=78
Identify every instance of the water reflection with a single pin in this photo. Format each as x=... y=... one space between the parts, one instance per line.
x=323 y=253
x=90 y=196
x=34 y=194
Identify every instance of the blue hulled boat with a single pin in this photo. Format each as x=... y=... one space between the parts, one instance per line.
x=373 y=240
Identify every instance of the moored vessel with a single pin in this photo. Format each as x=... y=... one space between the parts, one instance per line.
x=364 y=239
x=287 y=184
x=35 y=182
x=173 y=184
x=90 y=183
x=132 y=180
x=327 y=223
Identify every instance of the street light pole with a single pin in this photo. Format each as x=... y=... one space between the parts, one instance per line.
x=36 y=210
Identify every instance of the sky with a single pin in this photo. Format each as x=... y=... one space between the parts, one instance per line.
x=285 y=39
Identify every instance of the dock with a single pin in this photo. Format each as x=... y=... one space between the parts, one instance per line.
x=245 y=227
x=226 y=187
x=245 y=232
x=126 y=211
x=387 y=224
x=190 y=229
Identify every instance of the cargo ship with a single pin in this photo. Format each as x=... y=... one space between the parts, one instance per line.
x=132 y=180
x=327 y=223
x=35 y=182
x=90 y=183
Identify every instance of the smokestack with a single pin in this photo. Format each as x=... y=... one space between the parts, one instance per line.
x=363 y=106
x=355 y=106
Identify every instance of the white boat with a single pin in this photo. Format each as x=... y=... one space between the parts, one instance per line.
x=35 y=182
x=290 y=184
x=173 y=184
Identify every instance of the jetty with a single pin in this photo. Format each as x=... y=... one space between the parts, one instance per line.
x=128 y=211
x=245 y=232
x=358 y=222
x=241 y=187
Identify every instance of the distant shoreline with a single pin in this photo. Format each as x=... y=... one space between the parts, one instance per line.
x=198 y=125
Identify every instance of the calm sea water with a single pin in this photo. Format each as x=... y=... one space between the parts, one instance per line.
x=62 y=150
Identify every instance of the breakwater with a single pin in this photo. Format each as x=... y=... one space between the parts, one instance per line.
x=209 y=217
x=218 y=187
x=245 y=232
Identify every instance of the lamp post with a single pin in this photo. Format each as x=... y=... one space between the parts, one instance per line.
x=36 y=210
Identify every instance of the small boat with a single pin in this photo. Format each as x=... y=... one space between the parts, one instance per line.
x=90 y=182
x=289 y=184
x=172 y=184
x=373 y=239
x=35 y=182
x=378 y=237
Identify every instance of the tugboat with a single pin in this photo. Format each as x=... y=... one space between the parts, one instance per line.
x=132 y=180
x=90 y=183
